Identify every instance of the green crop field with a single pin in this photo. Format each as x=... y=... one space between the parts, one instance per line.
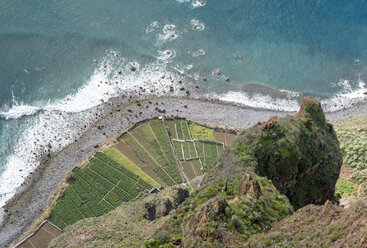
x=117 y=156
x=199 y=132
x=144 y=134
x=189 y=170
x=197 y=167
x=178 y=149
x=179 y=129
x=132 y=156
x=97 y=188
x=208 y=152
x=144 y=157
x=185 y=130
x=170 y=124
x=192 y=152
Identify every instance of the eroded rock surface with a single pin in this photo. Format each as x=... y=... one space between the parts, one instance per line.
x=300 y=154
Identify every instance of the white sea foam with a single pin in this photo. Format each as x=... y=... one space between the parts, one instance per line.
x=169 y=34
x=347 y=97
x=198 y=3
x=152 y=27
x=61 y=122
x=197 y=25
x=260 y=101
x=48 y=132
x=19 y=110
x=189 y=66
x=197 y=53
x=166 y=55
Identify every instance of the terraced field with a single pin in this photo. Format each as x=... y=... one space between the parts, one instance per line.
x=153 y=154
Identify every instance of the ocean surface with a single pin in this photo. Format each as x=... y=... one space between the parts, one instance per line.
x=59 y=59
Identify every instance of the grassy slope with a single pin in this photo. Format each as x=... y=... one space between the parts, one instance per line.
x=330 y=225
x=352 y=135
x=317 y=226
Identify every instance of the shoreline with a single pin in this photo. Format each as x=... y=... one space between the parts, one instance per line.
x=117 y=115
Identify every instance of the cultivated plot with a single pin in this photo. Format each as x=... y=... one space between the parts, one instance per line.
x=153 y=154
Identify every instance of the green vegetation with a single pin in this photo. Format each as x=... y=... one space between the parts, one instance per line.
x=360 y=177
x=185 y=130
x=189 y=170
x=179 y=129
x=97 y=188
x=289 y=148
x=192 y=152
x=212 y=212
x=118 y=157
x=200 y=132
x=143 y=158
x=344 y=188
x=197 y=167
x=235 y=206
x=163 y=139
x=170 y=124
x=208 y=152
x=178 y=149
x=145 y=136
x=126 y=226
x=352 y=133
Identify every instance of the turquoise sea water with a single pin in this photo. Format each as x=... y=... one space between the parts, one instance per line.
x=53 y=58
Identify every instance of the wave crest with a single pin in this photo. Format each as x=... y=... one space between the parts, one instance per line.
x=18 y=111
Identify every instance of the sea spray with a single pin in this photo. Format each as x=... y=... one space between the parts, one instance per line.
x=62 y=122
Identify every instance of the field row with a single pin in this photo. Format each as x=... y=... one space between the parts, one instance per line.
x=97 y=188
x=148 y=145
x=192 y=168
x=182 y=130
x=208 y=152
x=153 y=154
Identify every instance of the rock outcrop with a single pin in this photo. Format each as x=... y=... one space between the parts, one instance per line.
x=241 y=195
x=299 y=154
x=273 y=168
x=223 y=214
x=248 y=186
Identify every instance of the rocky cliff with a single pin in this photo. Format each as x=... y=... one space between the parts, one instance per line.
x=300 y=154
x=244 y=192
x=272 y=169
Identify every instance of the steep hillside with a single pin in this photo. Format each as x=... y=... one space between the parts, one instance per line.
x=126 y=226
x=271 y=169
x=146 y=158
x=301 y=157
x=318 y=226
x=352 y=134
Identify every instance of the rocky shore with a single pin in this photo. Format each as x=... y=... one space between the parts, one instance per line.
x=116 y=116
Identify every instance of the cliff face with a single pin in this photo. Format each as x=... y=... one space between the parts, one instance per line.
x=272 y=168
x=241 y=194
x=299 y=154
